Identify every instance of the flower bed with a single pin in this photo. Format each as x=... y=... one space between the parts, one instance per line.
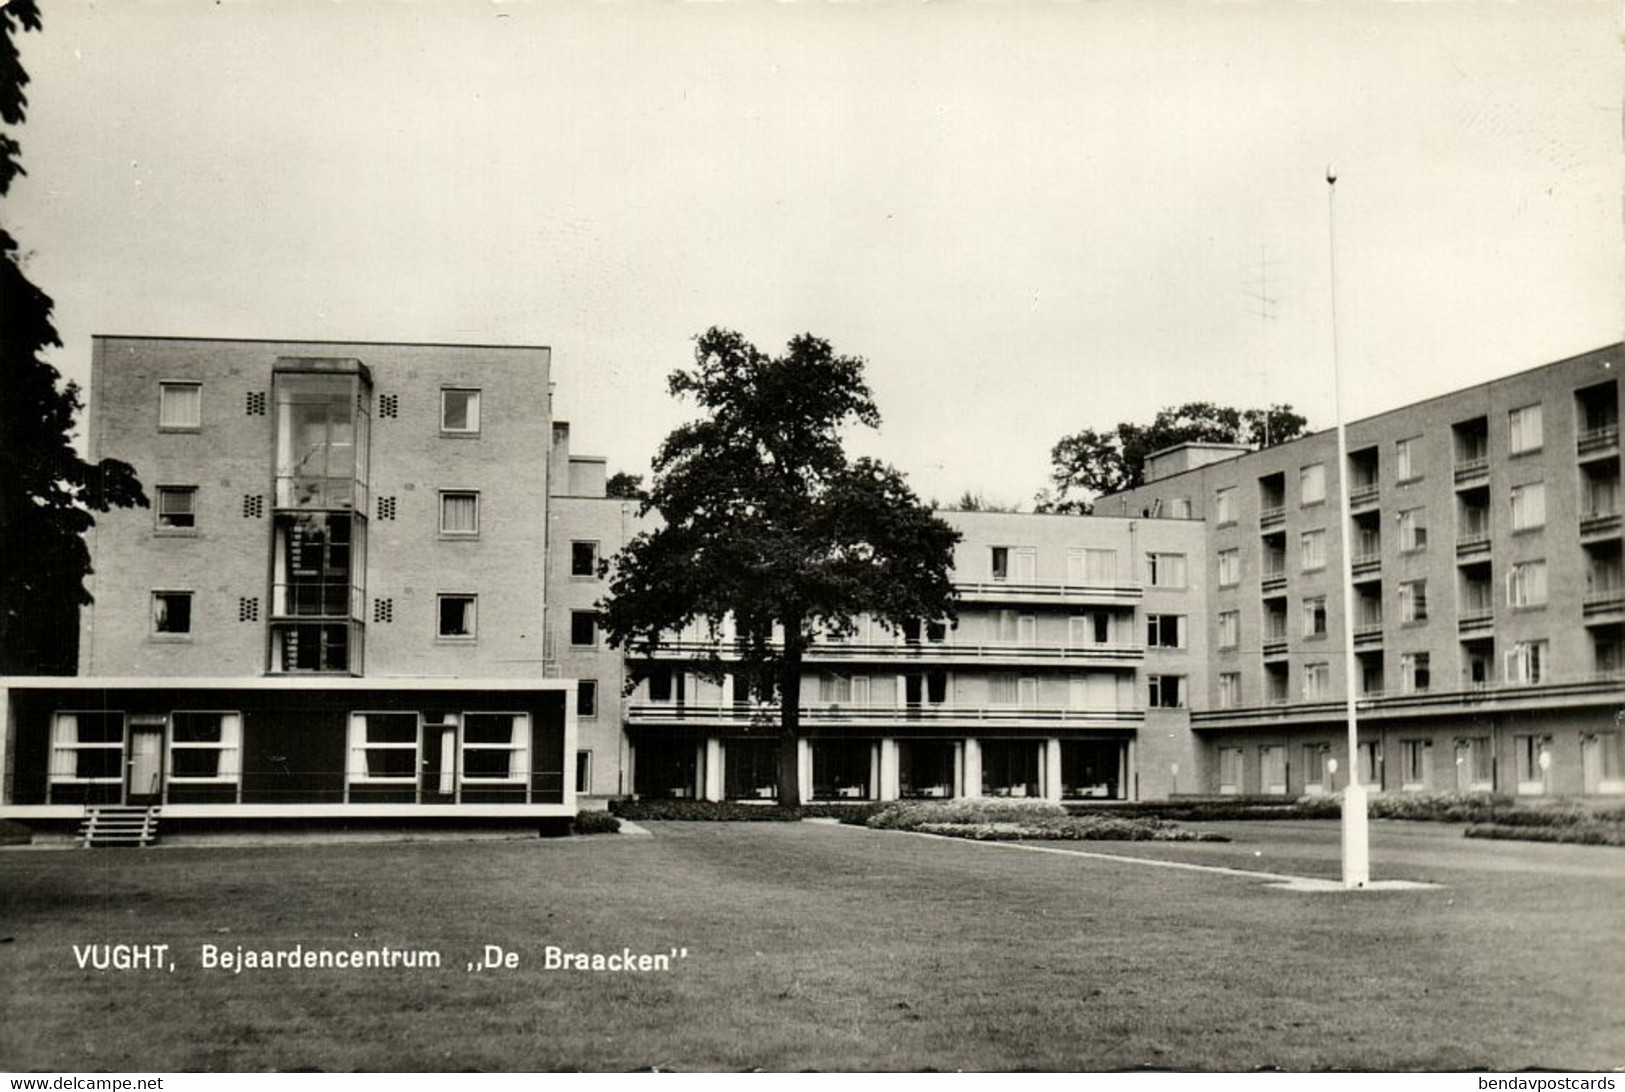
x=1028 y=820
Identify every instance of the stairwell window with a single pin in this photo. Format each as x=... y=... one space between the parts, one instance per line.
x=1413 y=532
x=460 y=411
x=177 y=507
x=459 y=513
x=1165 y=570
x=1528 y=506
x=1312 y=484
x=1414 y=675
x=458 y=617
x=1229 y=568
x=205 y=747
x=1312 y=550
x=180 y=407
x=1165 y=691
x=1524 y=430
x=172 y=613
x=1229 y=629
x=1229 y=689
x=1413 y=601
x=1526 y=584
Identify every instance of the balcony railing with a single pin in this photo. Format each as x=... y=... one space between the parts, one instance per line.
x=923 y=652
x=1475 y=618
x=1365 y=563
x=1472 y=540
x=1004 y=715
x=1368 y=633
x=1271 y=514
x=1597 y=439
x=1007 y=591
x=1469 y=470
x=1275 y=646
x=1361 y=495
x=1603 y=600
x=1273 y=578
x=1600 y=521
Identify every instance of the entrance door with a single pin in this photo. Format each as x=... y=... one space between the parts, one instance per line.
x=146 y=764
x=438 y=781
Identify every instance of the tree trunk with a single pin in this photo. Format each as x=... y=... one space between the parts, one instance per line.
x=790 y=719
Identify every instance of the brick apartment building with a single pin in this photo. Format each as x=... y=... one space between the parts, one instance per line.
x=1489 y=598
x=366 y=588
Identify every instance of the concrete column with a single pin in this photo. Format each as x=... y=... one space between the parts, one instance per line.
x=973 y=768
x=1131 y=775
x=1052 y=770
x=713 y=769
x=727 y=690
x=888 y=769
x=804 y=767
x=7 y=774
x=959 y=769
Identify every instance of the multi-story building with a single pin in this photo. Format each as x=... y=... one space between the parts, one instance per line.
x=1488 y=592
x=1077 y=644
x=335 y=605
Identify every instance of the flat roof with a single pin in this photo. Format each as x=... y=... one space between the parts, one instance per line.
x=318 y=341
x=277 y=682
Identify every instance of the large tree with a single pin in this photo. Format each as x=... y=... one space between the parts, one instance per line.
x=47 y=492
x=1089 y=464
x=766 y=522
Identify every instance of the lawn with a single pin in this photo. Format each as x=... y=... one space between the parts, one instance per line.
x=824 y=947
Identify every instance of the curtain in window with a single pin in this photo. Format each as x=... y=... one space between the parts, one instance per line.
x=459 y=513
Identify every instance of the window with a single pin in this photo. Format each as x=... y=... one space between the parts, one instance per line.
x=384 y=748
x=1413 y=532
x=583 y=628
x=1007 y=688
x=1314 y=616
x=460 y=411
x=1526 y=584
x=1528 y=506
x=1523 y=429
x=1094 y=628
x=1312 y=550
x=1017 y=564
x=1413 y=601
x=1179 y=508
x=1370 y=760
x=583 y=772
x=1416 y=762
x=1475 y=762
x=835 y=689
x=1312 y=484
x=496 y=747
x=587 y=698
x=583 y=559
x=87 y=747
x=1165 y=570
x=1224 y=506
x=1528 y=663
x=1165 y=630
x=1414 y=677
x=459 y=514
x=1100 y=565
x=1317 y=681
x=1232 y=763
x=180 y=406
x=177 y=507
x=1528 y=752
x=1229 y=568
x=205 y=746
x=172 y=613
x=1405 y=459
x=1229 y=628
x=1011 y=628
x=1165 y=691
x=457 y=617
x=1229 y=689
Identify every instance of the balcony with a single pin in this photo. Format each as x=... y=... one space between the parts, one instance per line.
x=999 y=591
x=1599 y=524
x=1272 y=516
x=1603 y=440
x=1602 y=601
x=1273 y=580
x=1472 y=619
x=1274 y=646
x=930 y=652
x=1367 y=634
x=1472 y=471
x=1366 y=566
x=1362 y=495
x=657 y=714
x=1472 y=542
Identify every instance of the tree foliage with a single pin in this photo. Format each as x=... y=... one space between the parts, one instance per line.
x=47 y=492
x=765 y=521
x=626 y=486
x=1089 y=463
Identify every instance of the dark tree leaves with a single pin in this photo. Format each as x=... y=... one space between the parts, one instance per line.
x=1090 y=464
x=767 y=522
x=47 y=492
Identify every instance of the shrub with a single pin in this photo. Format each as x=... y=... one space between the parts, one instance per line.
x=908 y=815
x=1027 y=820
x=703 y=811
x=596 y=822
x=1585 y=833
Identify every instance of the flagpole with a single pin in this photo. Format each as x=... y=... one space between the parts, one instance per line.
x=1356 y=830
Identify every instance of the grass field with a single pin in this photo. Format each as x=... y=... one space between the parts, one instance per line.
x=822 y=947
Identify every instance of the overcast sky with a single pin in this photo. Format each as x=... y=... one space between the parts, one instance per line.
x=1027 y=218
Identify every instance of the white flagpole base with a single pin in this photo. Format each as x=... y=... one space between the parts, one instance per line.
x=1356 y=838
